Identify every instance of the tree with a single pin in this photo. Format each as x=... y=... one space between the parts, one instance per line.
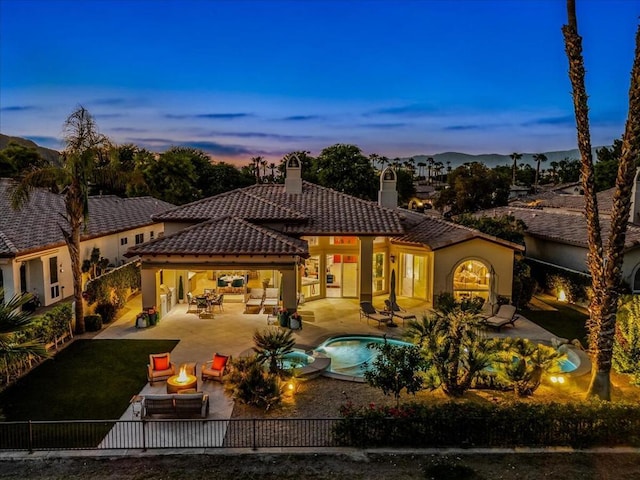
x=606 y=168
x=506 y=227
x=515 y=157
x=222 y=177
x=15 y=319
x=83 y=142
x=177 y=175
x=405 y=186
x=16 y=158
x=538 y=157
x=271 y=346
x=473 y=187
x=606 y=276
x=344 y=168
x=395 y=368
x=453 y=350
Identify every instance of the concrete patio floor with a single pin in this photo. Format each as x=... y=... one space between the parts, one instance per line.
x=231 y=332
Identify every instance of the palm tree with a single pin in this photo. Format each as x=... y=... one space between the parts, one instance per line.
x=256 y=162
x=83 y=144
x=554 y=171
x=605 y=276
x=538 y=157
x=421 y=166
x=429 y=167
x=272 y=167
x=272 y=345
x=14 y=319
x=515 y=157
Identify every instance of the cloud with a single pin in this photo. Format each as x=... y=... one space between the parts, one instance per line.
x=458 y=128
x=273 y=136
x=383 y=125
x=214 y=116
x=301 y=118
x=412 y=110
x=18 y=108
x=214 y=148
x=109 y=115
x=128 y=130
x=557 y=120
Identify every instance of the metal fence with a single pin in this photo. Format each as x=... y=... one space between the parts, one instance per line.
x=317 y=433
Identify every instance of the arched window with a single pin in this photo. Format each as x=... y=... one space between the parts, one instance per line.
x=471 y=279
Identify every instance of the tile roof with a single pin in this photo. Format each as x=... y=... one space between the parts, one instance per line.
x=316 y=211
x=38 y=223
x=213 y=237
x=553 y=199
x=563 y=226
x=438 y=233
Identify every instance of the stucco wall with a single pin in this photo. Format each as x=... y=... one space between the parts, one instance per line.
x=568 y=256
x=445 y=260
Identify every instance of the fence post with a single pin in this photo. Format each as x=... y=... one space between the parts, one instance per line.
x=144 y=434
x=254 y=446
x=30 y=437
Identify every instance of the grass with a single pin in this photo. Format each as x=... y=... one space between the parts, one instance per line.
x=90 y=379
x=567 y=322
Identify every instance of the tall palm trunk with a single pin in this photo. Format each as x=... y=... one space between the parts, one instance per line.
x=605 y=265
x=75 y=213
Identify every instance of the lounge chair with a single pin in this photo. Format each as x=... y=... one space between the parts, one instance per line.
x=216 y=368
x=506 y=315
x=368 y=311
x=255 y=299
x=397 y=311
x=160 y=367
x=271 y=298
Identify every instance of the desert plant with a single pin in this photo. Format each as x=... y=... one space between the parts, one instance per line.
x=452 y=348
x=523 y=363
x=271 y=345
x=626 y=349
x=249 y=383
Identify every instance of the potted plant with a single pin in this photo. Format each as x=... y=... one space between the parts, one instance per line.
x=180 y=290
x=283 y=317
x=295 y=321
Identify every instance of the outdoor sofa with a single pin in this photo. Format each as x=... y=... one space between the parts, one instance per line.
x=176 y=405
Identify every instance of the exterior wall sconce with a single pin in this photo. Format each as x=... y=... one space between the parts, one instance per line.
x=392 y=258
x=61 y=269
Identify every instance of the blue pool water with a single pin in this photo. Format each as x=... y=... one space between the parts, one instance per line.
x=349 y=354
x=296 y=359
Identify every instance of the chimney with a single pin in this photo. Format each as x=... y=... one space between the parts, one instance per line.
x=293 y=175
x=388 y=194
x=634 y=211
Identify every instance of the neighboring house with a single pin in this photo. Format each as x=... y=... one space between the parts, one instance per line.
x=557 y=231
x=33 y=255
x=306 y=239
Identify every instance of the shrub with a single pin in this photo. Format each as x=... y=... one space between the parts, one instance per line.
x=107 y=311
x=626 y=349
x=249 y=383
x=271 y=345
x=524 y=285
x=93 y=323
x=579 y=425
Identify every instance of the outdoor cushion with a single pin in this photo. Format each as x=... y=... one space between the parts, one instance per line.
x=161 y=363
x=219 y=361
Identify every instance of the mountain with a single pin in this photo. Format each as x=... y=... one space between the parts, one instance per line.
x=493 y=160
x=48 y=154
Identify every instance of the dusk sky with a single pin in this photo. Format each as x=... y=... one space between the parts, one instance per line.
x=245 y=78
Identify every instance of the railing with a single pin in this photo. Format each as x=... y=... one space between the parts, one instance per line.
x=300 y=433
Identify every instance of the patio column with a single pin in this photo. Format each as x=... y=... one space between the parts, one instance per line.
x=366 y=269
x=10 y=279
x=289 y=289
x=148 y=287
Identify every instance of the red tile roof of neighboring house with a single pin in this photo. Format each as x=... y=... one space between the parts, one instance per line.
x=37 y=225
x=223 y=236
x=553 y=199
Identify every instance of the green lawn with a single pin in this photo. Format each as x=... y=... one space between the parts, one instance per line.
x=567 y=322
x=90 y=379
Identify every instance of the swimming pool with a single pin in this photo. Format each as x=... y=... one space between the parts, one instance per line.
x=350 y=353
x=296 y=359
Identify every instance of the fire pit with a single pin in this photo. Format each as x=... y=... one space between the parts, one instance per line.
x=182 y=381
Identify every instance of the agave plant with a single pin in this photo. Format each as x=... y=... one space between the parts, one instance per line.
x=271 y=345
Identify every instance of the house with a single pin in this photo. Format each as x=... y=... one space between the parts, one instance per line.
x=557 y=230
x=314 y=242
x=33 y=255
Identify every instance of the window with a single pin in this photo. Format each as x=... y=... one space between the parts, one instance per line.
x=470 y=280
x=53 y=277
x=53 y=270
x=378 y=272
x=124 y=241
x=151 y=235
x=139 y=238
